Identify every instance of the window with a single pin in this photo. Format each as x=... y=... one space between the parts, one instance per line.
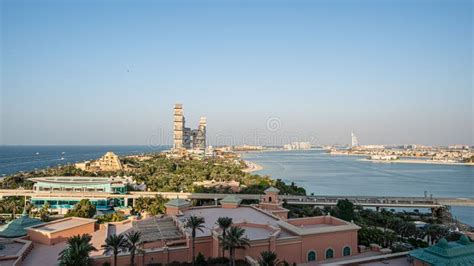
x=311 y=256
x=329 y=253
x=346 y=251
x=269 y=199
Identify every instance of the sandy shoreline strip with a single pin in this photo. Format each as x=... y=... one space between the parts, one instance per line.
x=416 y=161
x=252 y=167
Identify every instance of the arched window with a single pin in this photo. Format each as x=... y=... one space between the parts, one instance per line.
x=311 y=256
x=269 y=199
x=346 y=251
x=329 y=253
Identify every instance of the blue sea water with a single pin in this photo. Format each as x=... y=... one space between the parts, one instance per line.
x=316 y=171
x=325 y=174
x=27 y=158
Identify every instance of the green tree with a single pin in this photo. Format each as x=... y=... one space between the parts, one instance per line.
x=224 y=223
x=157 y=206
x=77 y=251
x=235 y=239
x=44 y=212
x=345 y=210
x=111 y=217
x=83 y=209
x=368 y=235
x=268 y=258
x=200 y=260
x=133 y=240
x=194 y=223
x=435 y=232
x=14 y=207
x=141 y=204
x=115 y=244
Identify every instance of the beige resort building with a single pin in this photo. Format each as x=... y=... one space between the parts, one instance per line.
x=109 y=162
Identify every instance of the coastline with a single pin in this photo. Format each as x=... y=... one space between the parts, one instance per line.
x=416 y=162
x=252 y=167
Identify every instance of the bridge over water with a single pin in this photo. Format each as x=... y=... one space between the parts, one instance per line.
x=320 y=200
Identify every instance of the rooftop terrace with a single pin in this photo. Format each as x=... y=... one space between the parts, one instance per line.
x=243 y=214
x=155 y=229
x=62 y=224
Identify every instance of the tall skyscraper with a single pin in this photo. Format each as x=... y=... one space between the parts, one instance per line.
x=355 y=142
x=178 y=130
x=185 y=137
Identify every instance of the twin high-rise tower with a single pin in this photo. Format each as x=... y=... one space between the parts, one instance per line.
x=184 y=137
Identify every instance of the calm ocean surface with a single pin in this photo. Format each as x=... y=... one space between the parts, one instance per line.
x=325 y=174
x=318 y=172
x=26 y=158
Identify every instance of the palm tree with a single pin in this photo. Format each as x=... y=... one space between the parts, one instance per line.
x=235 y=239
x=224 y=223
x=44 y=212
x=435 y=232
x=269 y=258
x=133 y=239
x=115 y=243
x=194 y=223
x=14 y=207
x=77 y=251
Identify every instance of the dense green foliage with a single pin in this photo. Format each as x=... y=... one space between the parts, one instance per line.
x=160 y=173
x=154 y=206
x=301 y=211
x=83 y=209
x=344 y=210
x=44 y=212
x=12 y=205
x=111 y=217
x=77 y=251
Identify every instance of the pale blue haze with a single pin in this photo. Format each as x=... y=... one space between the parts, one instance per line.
x=108 y=72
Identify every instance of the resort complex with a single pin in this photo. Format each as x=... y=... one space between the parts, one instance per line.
x=109 y=162
x=202 y=206
x=69 y=184
x=166 y=238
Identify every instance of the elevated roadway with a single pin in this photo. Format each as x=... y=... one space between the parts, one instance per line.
x=365 y=201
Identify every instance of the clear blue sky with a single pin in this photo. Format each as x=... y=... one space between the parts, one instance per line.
x=109 y=72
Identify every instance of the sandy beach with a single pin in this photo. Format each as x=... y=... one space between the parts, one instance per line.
x=417 y=161
x=252 y=167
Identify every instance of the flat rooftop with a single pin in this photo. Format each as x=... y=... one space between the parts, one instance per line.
x=311 y=226
x=72 y=180
x=62 y=224
x=255 y=233
x=10 y=247
x=44 y=254
x=240 y=215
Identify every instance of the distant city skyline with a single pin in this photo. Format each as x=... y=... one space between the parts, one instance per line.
x=103 y=73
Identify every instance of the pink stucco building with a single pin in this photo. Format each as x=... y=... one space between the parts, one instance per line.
x=266 y=225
